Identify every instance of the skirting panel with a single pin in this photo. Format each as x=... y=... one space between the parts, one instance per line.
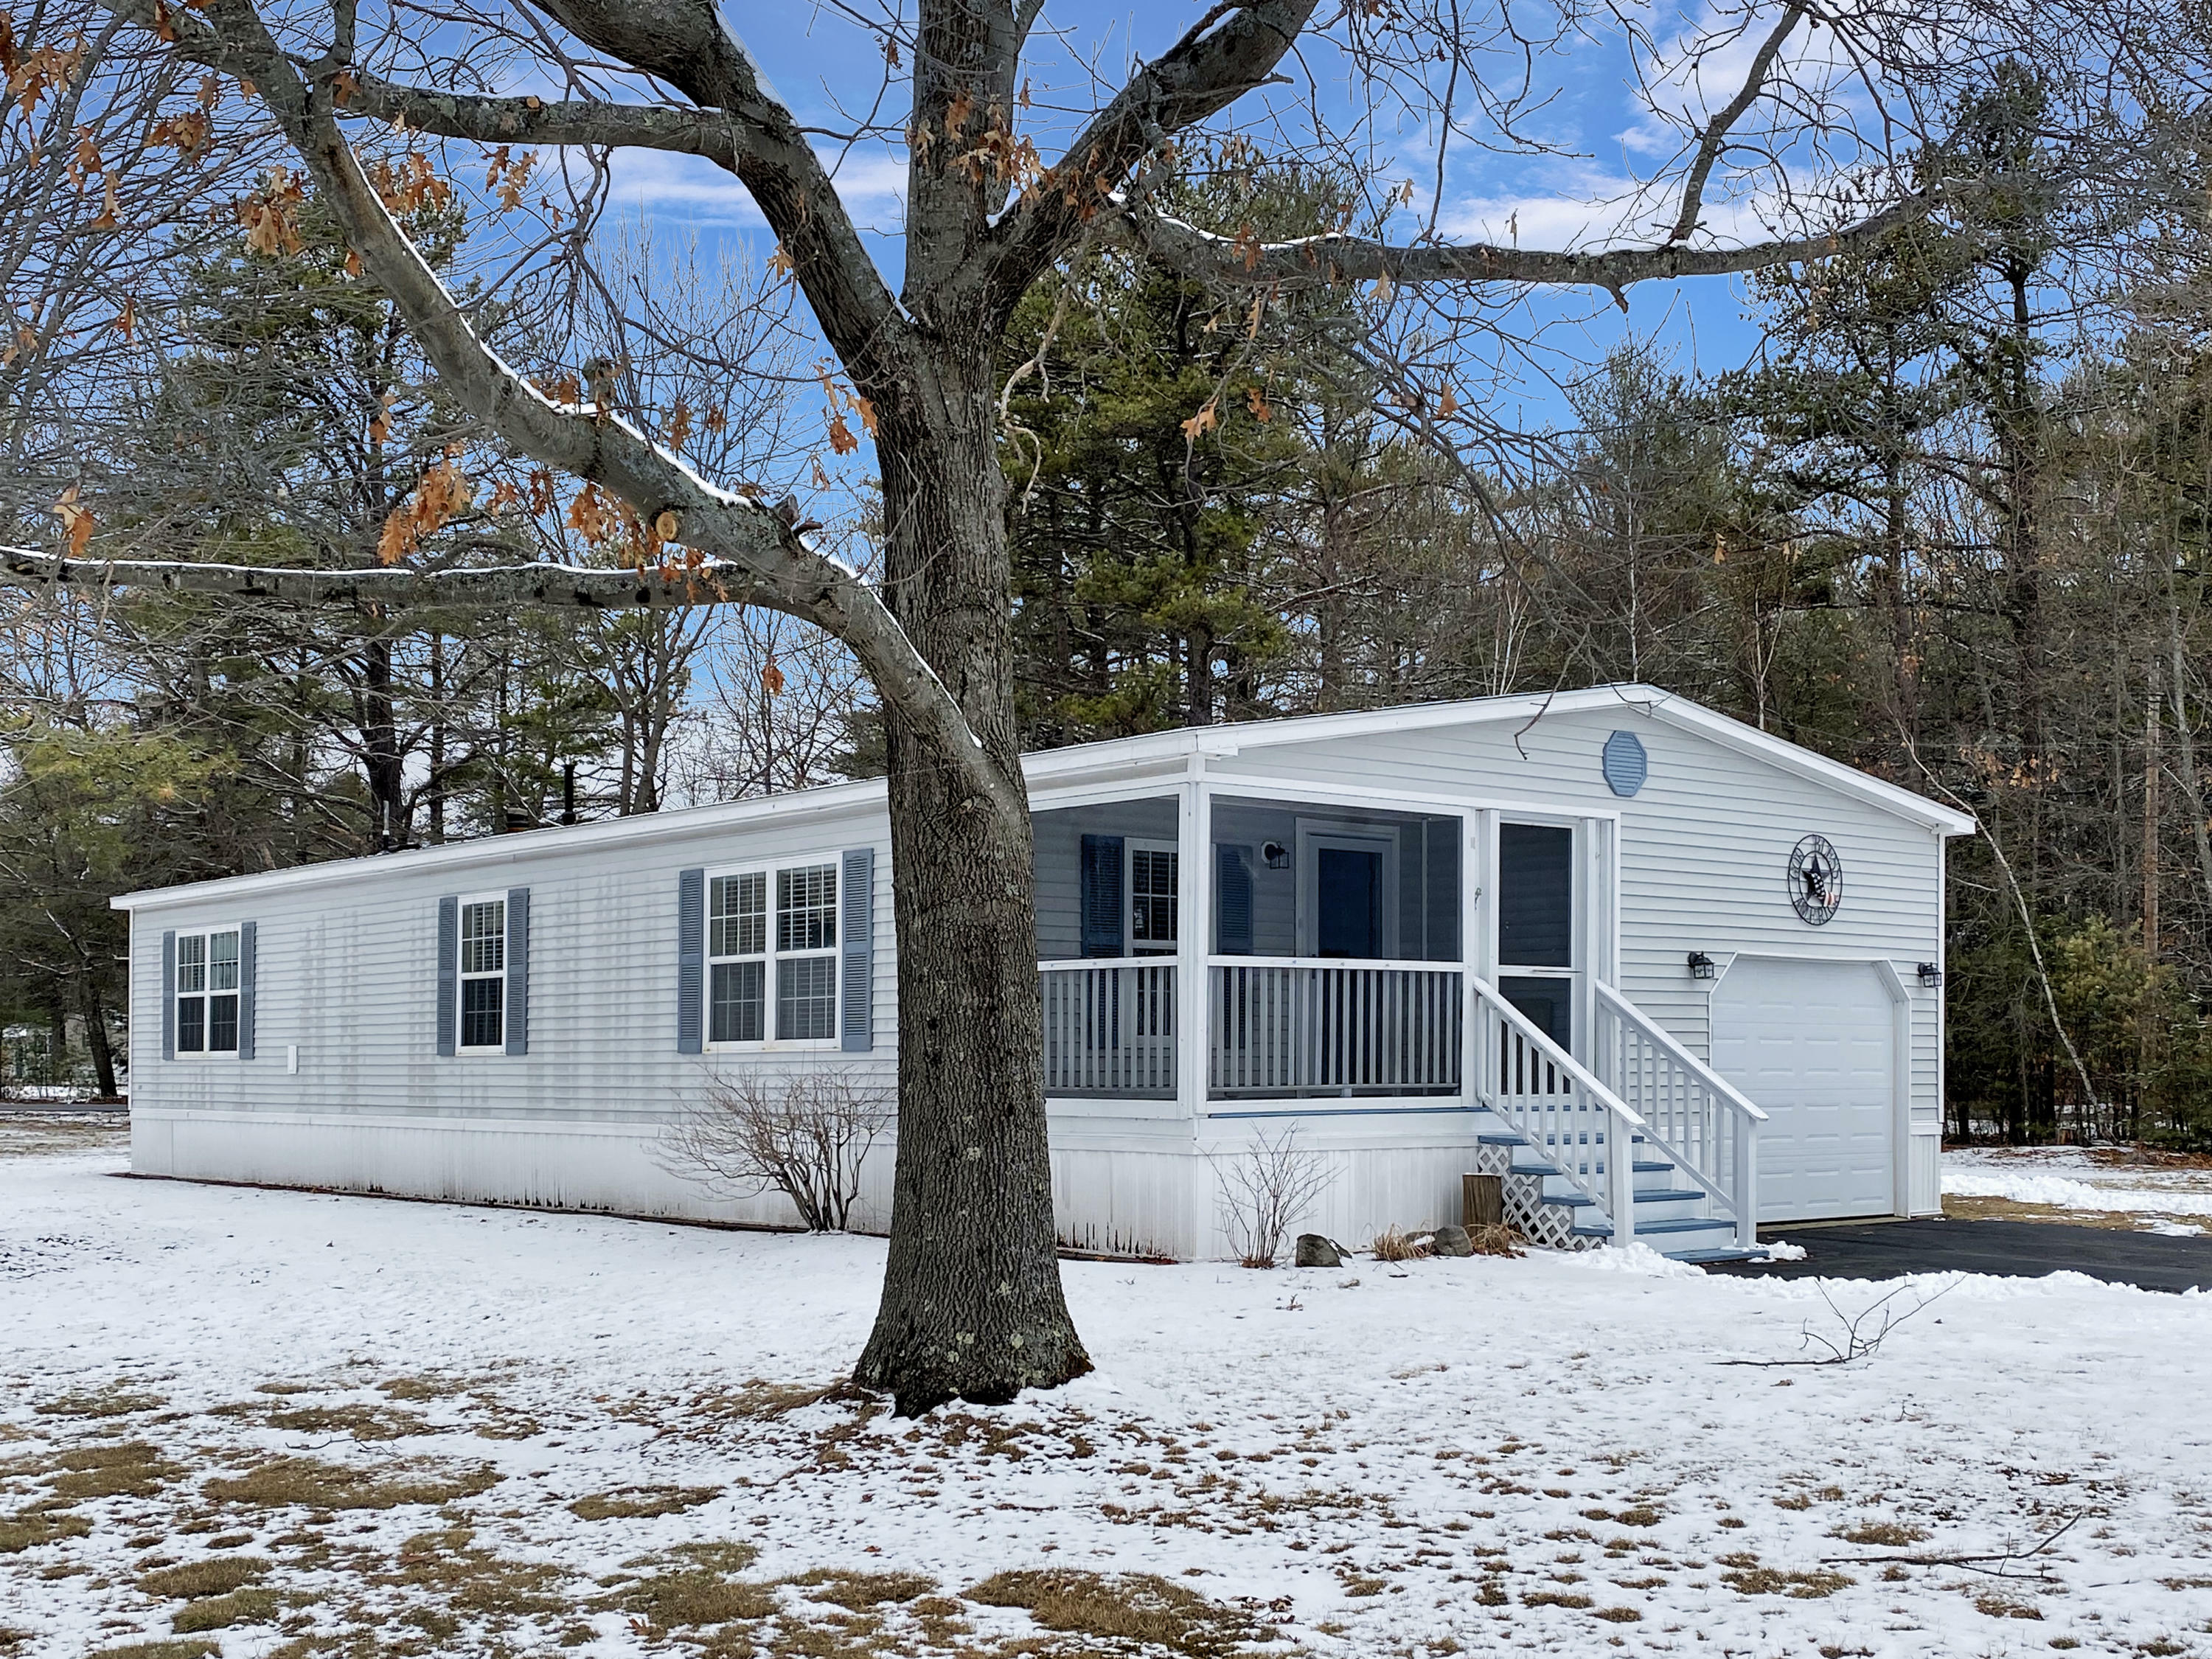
x=1115 y=1199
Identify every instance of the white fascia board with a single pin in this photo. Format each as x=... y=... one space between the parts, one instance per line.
x=527 y=846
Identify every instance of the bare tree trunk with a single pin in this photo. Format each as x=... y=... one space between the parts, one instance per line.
x=95 y=1035
x=972 y=1307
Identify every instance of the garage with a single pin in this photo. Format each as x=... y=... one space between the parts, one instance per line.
x=1814 y=1044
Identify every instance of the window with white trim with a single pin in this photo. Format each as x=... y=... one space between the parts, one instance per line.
x=1154 y=873
x=772 y=956
x=483 y=975
x=207 y=993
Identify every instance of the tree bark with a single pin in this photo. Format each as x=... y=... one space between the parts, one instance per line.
x=972 y=1307
x=95 y=1037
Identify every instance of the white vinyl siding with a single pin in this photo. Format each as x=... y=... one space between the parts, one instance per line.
x=483 y=975
x=207 y=994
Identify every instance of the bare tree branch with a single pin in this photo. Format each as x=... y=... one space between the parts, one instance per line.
x=1330 y=259
x=1228 y=52
x=1716 y=135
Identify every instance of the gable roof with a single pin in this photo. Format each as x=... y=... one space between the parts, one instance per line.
x=1113 y=756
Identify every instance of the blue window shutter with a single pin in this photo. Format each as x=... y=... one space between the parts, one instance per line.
x=856 y=951
x=518 y=971
x=248 y=938
x=449 y=972
x=1232 y=898
x=690 y=958
x=1101 y=873
x=169 y=994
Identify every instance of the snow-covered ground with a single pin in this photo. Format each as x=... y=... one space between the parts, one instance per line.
x=2072 y=1179
x=386 y=1411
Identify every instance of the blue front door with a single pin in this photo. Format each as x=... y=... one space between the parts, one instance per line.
x=1348 y=898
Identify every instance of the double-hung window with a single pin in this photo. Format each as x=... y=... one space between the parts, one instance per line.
x=483 y=974
x=772 y=956
x=207 y=993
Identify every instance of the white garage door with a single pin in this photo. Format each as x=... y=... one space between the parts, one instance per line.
x=1812 y=1042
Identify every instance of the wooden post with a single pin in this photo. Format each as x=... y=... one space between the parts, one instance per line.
x=1482 y=1201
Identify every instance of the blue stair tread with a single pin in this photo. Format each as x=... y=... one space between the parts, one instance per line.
x=1670 y=1195
x=1650 y=1166
x=1500 y=1140
x=1733 y=1253
x=1572 y=1200
x=1694 y=1224
x=1532 y=1170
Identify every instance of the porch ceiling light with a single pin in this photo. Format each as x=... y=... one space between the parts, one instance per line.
x=1701 y=965
x=1930 y=974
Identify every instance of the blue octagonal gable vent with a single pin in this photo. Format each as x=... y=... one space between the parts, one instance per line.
x=1624 y=763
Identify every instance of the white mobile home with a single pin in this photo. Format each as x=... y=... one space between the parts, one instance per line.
x=1507 y=936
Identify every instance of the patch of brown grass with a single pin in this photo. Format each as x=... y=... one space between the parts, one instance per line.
x=1396 y=1244
x=636 y=1503
x=1619 y=1615
x=306 y=1483
x=158 y=1651
x=1894 y=1533
x=859 y=1591
x=195 y=1579
x=1995 y=1605
x=1556 y=1599
x=134 y=1469
x=422 y=1387
x=112 y=1401
x=361 y=1422
x=244 y=1607
x=1134 y=1606
x=464 y=1579
x=1749 y=1578
x=691 y=1597
x=32 y=1527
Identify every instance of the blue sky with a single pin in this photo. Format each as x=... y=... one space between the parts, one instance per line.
x=1601 y=137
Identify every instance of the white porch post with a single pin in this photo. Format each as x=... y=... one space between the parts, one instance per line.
x=1194 y=926
x=1194 y=936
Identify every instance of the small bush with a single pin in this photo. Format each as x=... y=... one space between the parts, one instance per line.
x=806 y=1135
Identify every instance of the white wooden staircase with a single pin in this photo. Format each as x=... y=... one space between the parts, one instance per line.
x=1687 y=1182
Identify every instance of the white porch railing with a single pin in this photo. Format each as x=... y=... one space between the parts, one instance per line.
x=1692 y=1115
x=1288 y=1025
x=1110 y=1027
x=1566 y=1113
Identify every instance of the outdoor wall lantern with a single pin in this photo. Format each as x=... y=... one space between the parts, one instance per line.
x=1276 y=855
x=1701 y=965
x=1930 y=974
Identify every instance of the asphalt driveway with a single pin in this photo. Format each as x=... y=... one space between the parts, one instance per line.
x=1891 y=1250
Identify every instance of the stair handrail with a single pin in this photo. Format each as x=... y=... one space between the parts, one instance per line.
x=1618 y=1194
x=1740 y=1193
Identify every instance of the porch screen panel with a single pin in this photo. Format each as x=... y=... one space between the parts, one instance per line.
x=1535 y=895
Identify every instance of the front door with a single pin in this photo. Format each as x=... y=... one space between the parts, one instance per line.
x=1535 y=920
x=1348 y=895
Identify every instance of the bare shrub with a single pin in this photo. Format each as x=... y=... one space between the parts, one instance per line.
x=806 y=1134
x=1263 y=1190
x=1396 y=1244
x=1497 y=1239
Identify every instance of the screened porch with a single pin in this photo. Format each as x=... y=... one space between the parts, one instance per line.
x=1327 y=961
